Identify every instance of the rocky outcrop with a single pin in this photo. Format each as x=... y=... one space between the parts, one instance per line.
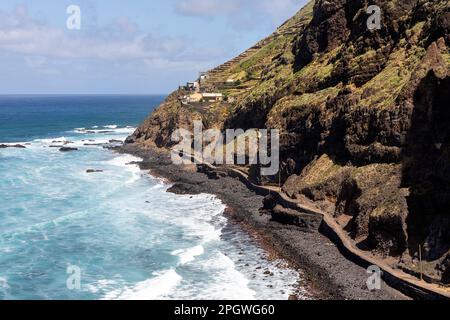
x=157 y=129
x=368 y=201
x=364 y=119
x=444 y=267
x=93 y=171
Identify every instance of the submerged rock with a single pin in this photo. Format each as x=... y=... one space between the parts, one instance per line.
x=19 y=146
x=94 y=144
x=67 y=149
x=93 y=171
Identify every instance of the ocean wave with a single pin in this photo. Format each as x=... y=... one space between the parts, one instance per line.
x=112 y=129
x=110 y=132
x=74 y=142
x=102 y=285
x=224 y=281
x=3 y=283
x=127 y=161
x=52 y=140
x=200 y=216
x=229 y=282
x=189 y=255
x=160 y=287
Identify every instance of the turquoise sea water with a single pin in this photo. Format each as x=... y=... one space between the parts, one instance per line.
x=127 y=236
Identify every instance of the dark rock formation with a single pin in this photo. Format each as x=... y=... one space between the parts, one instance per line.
x=304 y=221
x=184 y=189
x=67 y=149
x=19 y=146
x=93 y=171
x=444 y=267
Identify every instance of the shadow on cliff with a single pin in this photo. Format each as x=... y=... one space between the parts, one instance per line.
x=426 y=169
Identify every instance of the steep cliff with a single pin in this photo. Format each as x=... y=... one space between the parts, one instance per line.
x=364 y=116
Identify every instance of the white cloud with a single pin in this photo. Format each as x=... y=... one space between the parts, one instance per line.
x=122 y=54
x=238 y=11
x=120 y=40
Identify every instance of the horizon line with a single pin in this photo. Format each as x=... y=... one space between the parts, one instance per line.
x=83 y=94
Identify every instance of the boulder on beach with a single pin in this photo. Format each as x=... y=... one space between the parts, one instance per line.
x=184 y=189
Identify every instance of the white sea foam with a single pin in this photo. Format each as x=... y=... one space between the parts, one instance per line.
x=89 y=143
x=102 y=285
x=200 y=216
x=229 y=283
x=6 y=250
x=125 y=161
x=111 y=126
x=113 y=129
x=189 y=255
x=111 y=132
x=159 y=287
x=4 y=283
x=52 y=140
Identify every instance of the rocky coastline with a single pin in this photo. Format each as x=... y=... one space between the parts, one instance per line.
x=363 y=119
x=364 y=138
x=329 y=275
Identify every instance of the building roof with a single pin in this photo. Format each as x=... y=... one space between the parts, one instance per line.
x=212 y=95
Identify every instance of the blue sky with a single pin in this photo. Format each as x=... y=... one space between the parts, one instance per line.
x=134 y=47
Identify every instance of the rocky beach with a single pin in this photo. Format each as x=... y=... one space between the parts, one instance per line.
x=328 y=273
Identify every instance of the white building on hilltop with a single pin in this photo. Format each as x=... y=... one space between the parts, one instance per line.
x=212 y=97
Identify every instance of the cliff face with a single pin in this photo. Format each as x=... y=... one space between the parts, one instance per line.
x=365 y=117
